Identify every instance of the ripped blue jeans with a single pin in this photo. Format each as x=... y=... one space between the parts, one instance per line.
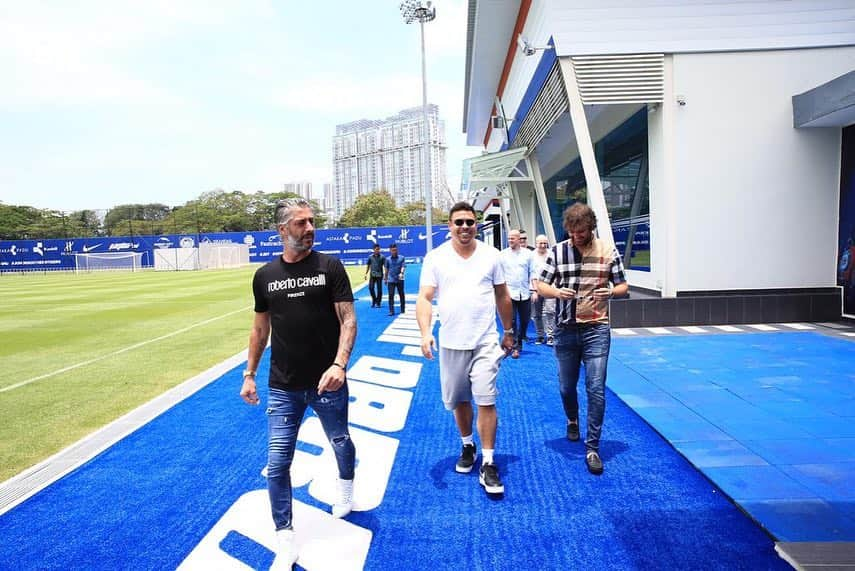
x=285 y=412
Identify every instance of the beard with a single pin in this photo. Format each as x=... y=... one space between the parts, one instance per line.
x=297 y=244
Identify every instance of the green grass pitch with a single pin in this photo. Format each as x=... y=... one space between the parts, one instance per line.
x=79 y=351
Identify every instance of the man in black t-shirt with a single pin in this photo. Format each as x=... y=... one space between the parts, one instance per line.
x=304 y=304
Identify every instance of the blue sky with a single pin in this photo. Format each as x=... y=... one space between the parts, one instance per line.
x=111 y=102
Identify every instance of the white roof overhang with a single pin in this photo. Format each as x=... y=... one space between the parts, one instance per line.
x=488 y=176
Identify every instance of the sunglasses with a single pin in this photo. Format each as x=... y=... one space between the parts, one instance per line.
x=462 y=221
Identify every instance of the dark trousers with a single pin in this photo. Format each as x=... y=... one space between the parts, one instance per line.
x=375 y=287
x=399 y=286
x=522 y=317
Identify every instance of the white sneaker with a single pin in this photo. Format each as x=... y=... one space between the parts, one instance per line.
x=344 y=505
x=286 y=555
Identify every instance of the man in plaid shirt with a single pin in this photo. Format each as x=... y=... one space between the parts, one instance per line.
x=577 y=273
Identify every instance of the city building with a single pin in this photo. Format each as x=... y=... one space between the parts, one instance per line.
x=328 y=202
x=302 y=188
x=707 y=136
x=386 y=154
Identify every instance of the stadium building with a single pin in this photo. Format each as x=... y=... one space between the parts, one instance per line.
x=713 y=139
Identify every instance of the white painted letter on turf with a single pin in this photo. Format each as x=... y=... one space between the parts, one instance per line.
x=250 y=516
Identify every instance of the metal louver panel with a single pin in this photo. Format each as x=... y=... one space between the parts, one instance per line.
x=551 y=102
x=637 y=78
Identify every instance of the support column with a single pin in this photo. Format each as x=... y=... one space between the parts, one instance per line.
x=540 y=194
x=663 y=242
x=516 y=205
x=505 y=222
x=596 y=198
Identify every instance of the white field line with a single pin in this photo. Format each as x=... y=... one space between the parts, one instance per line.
x=46 y=472
x=120 y=351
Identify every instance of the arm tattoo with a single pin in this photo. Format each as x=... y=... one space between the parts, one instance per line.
x=347 y=337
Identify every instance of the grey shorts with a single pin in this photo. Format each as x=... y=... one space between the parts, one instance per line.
x=469 y=375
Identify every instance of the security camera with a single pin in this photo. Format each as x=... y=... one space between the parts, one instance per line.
x=528 y=49
x=524 y=46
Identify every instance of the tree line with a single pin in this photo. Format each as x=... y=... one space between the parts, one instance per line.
x=214 y=211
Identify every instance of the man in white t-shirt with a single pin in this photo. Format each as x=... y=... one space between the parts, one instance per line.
x=466 y=278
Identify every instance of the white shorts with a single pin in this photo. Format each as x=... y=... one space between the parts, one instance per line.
x=470 y=374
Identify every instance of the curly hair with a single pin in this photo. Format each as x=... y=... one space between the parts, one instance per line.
x=579 y=215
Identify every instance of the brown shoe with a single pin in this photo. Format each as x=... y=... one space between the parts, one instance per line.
x=595 y=464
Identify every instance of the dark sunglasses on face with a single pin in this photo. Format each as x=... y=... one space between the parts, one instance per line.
x=462 y=221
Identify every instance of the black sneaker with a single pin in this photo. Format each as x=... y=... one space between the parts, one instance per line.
x=489 y=478
x=573 y=430
x=467 y=459
x=538 y=341
x=595 y=465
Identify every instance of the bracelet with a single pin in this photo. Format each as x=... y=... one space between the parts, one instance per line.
x=509 y=331
x=248 y=373
x=340 y=366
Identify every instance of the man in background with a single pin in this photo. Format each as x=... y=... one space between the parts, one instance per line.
x=374 y=272
x=543 y=308
x=395 y=278
x=518 y=266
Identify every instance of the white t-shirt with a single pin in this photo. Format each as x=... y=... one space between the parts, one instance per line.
x=465 y=294
x=539 y=262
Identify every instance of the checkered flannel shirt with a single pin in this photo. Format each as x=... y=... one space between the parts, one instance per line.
x=566 y=268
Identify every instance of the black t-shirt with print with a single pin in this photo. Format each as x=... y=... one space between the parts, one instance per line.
x=304 y=326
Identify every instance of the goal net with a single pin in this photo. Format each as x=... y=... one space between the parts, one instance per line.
x=176 y=259
x=108 y=261
x=217 y=256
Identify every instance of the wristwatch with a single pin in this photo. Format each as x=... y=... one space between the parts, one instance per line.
x=509 y=331
x=248 y=373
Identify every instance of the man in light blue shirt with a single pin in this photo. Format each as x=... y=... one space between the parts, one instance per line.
x=519 y=268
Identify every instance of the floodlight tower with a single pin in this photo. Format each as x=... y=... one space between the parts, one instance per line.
x=421 y=12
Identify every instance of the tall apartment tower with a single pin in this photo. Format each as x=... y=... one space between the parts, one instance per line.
x=373 y=154
x=328 y=203
x=303 y=188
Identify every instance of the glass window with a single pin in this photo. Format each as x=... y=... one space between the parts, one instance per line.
x=622 y=162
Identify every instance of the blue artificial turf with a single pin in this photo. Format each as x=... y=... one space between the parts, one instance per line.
x=148 y=500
